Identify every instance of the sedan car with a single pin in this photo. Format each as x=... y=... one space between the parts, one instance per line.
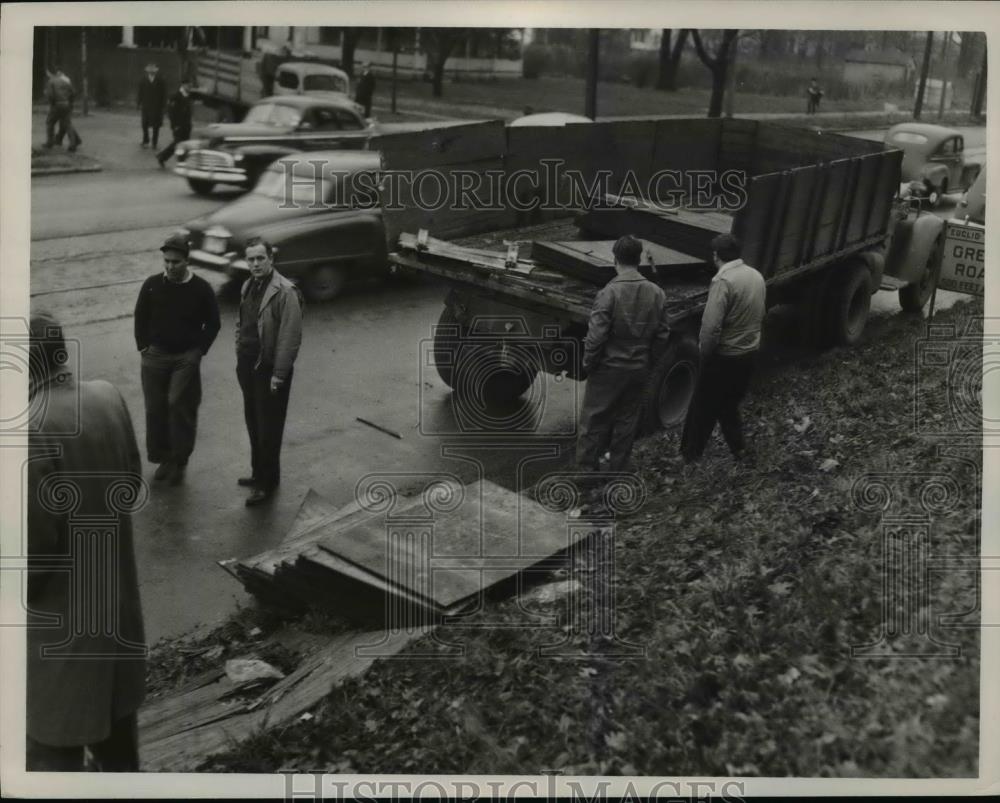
x=236 y=154
x=308 y=78
x=933 y=160
x=320 y=210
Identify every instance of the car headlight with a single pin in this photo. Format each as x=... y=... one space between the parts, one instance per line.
x=179 y=151
x=238 y=157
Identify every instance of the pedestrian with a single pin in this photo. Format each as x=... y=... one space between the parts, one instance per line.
x=59 y=123
x=176 y=321
x=179 y=115
x=729 y=341
x=86 y=665
x=814 y=94
x=268 y=69
x=627 y=330
x=268 y=335
x=366 y=89
x=151 y=100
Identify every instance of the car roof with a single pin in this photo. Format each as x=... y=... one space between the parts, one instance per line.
x=311 y=101
x=337 y=161
x=934 y=133
x=548 y=119
x=312 y=68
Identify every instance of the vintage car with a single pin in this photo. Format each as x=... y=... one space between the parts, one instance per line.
x=933 y=160
x=236 y=154
x=321 y=212
x=309 y=78
x=973 y=203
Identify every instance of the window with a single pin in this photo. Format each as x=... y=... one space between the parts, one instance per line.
x=288 y=79
x=348 y=121
x=324 y=83
x=273 y=114
x=326 y=120
x=909 y=137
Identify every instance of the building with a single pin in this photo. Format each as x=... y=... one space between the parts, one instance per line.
x=889 y=66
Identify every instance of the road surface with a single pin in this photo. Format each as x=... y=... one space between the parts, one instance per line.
x=95 y=238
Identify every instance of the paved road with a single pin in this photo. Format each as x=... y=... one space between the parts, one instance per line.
x=95 y=239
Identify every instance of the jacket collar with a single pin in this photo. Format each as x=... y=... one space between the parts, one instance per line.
x=270 y=289
x=733 y=263
x=628 y=276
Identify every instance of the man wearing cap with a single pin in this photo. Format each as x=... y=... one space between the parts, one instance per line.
x=151 y=100
x=85 y=666
x=729 y=341
x=268 y=335
x=627 y=329
x=176 y=321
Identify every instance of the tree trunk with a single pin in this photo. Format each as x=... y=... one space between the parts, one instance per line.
x=350 y=44
x=663 y=80
x=924 y=69
x=717 y=64
x=590 y=88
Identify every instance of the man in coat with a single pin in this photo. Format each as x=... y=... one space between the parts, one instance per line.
x=59 y=123
x=366 y=89
x=86 y=655
x=176 y=321
x=729 y=341
x=627 y=330
x=268 y=335
x=179 y=115
x=151 y=100
x=268 y=68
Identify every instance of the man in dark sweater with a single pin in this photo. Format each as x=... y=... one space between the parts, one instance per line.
x=176 y=321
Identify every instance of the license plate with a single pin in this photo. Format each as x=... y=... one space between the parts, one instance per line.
x=215 y=245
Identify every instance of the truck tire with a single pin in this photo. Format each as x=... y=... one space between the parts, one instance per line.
x=848 y=305
x=487 y=376
x=324 y=282
x=670 y=386
x=200 y=186
x=447 y=340
x=915 y=296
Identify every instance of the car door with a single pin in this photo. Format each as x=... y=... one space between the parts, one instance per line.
x=286 y=83
x=949 y=153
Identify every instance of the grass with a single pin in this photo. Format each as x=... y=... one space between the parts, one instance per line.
x=746 y=587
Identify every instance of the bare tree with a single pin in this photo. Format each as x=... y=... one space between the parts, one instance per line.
x=348 y=44
x=717 y=64
x=439 y=44
x=670 y=58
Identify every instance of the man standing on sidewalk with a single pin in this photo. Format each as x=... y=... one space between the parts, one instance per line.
x=179 y=114
x=729 y=341
x=59 y=123
x=268 y=335
x=366 y=89
x=628 y=327
x=176 y=321
x=151 y=100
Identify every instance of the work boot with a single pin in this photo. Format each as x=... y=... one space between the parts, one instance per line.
x=177 y=475
x=259 y=496
x=246 y=482
x=163 y=471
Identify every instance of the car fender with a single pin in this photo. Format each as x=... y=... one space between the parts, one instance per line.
x=349 y=237
x=913 y=241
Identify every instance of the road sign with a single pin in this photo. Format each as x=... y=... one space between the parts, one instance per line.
x=963 y=263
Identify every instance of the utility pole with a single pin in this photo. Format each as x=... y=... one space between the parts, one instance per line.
x=944 y=72
x=593 y=50
x=918 y=104
x=980 y=93
x=83 y=71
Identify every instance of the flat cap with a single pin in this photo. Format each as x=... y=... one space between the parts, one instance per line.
x=177 y=242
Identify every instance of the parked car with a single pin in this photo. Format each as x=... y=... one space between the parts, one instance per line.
x=325 y=223
x=933 y=160
x=237 y=154
x=309 y=78
x=548 y=119
x=973 y=203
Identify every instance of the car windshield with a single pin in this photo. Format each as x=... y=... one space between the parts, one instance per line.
x=273 y=114
x=324 y=83
x=301 y=184
x=909 y=138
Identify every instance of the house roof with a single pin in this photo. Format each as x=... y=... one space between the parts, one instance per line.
x=889 y=56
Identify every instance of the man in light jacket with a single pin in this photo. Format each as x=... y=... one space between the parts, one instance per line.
x=729 y=341
x=86 y=667
x=268 y=335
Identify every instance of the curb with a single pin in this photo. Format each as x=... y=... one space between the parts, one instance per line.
x=57 y=171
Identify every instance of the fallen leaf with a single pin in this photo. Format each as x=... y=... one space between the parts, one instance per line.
x=789 y=677
x=803 y=425
x=616 y=741
x=780 y=588
x=828 y=465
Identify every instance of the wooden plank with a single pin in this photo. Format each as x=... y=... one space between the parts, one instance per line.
x=825 y=237
x=795 y=219
x=868 y=167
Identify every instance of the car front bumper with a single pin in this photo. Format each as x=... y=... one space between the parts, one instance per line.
x=236 y=175
x=224 y=263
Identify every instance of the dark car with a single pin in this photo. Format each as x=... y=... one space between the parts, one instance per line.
x=321 y=212
x=238 y=153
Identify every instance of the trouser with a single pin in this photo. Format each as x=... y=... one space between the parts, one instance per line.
x=118 y=753
x=267 y=85
x=721 y=386
x=609 y=417
x=171 y=386
x=264 y=412
x=180 y=134
x=58 y=124
x=151 y=125
x=367 y=103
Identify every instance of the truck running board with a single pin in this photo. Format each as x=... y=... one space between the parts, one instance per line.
x=892 y=283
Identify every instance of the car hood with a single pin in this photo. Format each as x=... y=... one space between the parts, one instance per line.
x=913 y=165
x=249 y=213
x=218 y=131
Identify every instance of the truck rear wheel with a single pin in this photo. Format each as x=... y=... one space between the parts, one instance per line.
x=488 y=374
x=447 y=340
x=200 y=186
x=324 y=282
x=670 y=386
x=848 y=306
